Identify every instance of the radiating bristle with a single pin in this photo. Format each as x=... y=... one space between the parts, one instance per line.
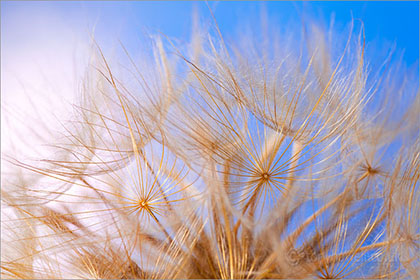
x=228 y=161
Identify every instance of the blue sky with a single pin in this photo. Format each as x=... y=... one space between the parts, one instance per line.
x=385 y=21
x=42 y=43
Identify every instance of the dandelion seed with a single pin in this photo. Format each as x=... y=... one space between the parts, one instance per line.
x=241 y=161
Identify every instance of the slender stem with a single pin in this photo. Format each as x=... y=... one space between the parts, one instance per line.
x=296 y=150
